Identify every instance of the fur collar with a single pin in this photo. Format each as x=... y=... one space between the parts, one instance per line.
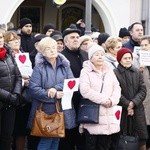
x=40 y=60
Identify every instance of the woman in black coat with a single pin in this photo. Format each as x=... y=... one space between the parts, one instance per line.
x=10 y=89
x=133 y=95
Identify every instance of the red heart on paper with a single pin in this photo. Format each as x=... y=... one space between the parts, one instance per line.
x=22 y=58
x=117 y=114
x=71 y=84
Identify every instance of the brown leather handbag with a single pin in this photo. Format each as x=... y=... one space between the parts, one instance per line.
x=45 y=125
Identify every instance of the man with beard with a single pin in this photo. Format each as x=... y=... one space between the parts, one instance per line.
x=27 y=45
x=27 y=39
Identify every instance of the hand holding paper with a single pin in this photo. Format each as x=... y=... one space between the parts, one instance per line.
x=24 y=63
x=59 y=94
x=70 y=86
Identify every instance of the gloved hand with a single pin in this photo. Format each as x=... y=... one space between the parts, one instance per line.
x=14 y=100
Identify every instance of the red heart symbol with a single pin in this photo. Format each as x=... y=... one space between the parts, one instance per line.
x=22 y=58
x=117 y=114
x=71 y=84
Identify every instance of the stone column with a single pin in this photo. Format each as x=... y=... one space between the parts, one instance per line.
x=88 y=16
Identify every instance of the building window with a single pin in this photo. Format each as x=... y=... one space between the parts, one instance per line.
x=34 y=13
x=71 y=15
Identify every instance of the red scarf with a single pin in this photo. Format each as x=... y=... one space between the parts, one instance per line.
x=2 y=53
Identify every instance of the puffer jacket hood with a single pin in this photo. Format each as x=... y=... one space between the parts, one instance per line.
x=90 y=67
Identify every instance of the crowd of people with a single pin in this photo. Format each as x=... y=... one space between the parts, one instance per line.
x=97 y=59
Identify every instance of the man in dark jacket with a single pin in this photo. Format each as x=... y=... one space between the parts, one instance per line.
x=76 y=57
x=27 y=45
x=27 y=39
x=136 y=32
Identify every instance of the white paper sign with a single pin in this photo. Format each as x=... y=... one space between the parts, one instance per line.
x=71 y=85
x=117 y=111
x=136 y=50
x=144 y=57
x=66 y=100
x=24 y=63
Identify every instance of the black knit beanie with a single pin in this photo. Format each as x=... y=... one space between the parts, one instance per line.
x=47 y=27
x=24 y=21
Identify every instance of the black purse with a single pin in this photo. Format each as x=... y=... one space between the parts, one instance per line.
x=89 y=111
x=129 y=140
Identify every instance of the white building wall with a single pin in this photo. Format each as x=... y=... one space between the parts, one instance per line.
x=120 y=9
x=114 y=13
x=7 y=9
x=136 y=8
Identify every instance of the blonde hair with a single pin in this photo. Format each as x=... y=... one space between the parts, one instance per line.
x=45 y=42
x=111 y=42
x=9 y=34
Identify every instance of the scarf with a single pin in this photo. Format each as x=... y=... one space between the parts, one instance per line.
x=2 y=53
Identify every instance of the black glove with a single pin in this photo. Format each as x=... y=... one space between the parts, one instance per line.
x=14 y=100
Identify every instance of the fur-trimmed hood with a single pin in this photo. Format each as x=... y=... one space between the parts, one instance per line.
x=40 y=60
x=90 y=67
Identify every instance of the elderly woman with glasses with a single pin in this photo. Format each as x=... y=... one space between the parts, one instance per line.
x=12 y=39
x=46 y=84
x=99 y=84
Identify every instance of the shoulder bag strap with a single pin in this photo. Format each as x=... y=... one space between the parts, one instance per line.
x=56 y=104
x=102 y=82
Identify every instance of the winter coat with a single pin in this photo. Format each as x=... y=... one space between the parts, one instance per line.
x=27 y=45
x=76 y=59
x=133 y=89
x=130 y=44
x=43 y=78
x=10 y=78
x=146 y=103
x=146 y=76
x=90 y=86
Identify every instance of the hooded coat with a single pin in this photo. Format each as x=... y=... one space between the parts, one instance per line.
x=90 y=87
x=43 y=78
